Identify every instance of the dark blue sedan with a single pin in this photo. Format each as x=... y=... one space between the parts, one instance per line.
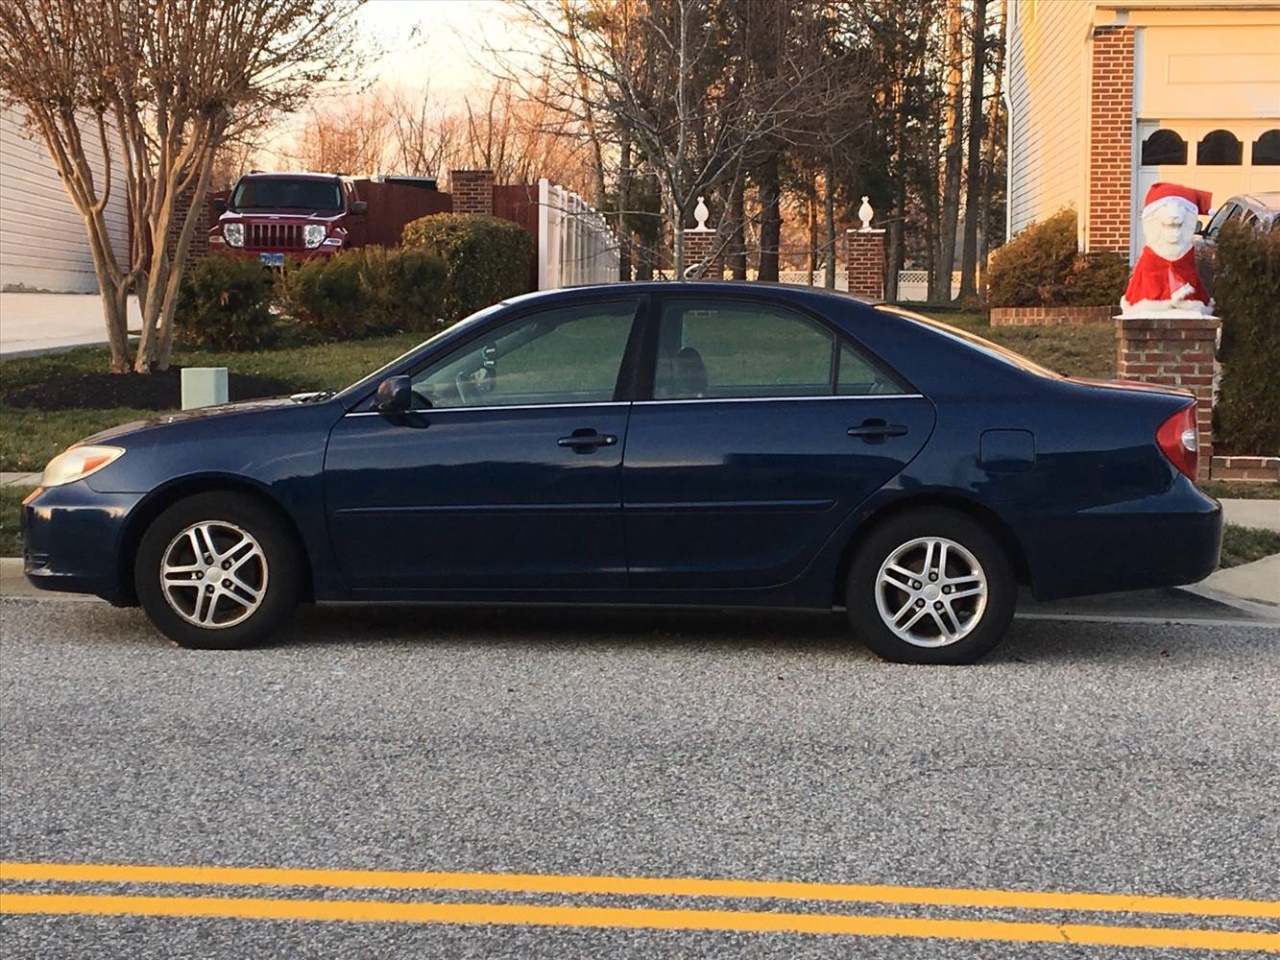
x=673 y=444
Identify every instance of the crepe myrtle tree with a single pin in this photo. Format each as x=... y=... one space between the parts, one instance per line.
x=156 y=87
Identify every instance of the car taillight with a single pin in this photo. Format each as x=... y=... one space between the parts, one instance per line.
x=1179 y=440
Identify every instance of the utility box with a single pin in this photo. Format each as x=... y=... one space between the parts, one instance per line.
x=203 y=386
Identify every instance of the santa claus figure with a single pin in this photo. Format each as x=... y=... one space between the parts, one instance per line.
x=1165 y=277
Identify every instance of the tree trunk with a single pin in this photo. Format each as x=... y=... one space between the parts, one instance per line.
x=738 y=234
x=994 y=131
x=770 y=217
x=829 y=223
x=954 y=156
x=624 y=210
x=973 y=185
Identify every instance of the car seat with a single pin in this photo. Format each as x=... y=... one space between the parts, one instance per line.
x=689 y=374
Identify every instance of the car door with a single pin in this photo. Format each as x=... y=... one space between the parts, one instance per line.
x=764 y=430
x=508 y=473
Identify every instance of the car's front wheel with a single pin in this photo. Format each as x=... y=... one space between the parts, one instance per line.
x=931 y=586
x=217 y=571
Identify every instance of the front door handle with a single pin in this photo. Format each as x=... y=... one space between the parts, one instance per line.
x=586 y=440
x=875 y=431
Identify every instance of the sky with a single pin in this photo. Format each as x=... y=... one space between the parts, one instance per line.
x=435 y=42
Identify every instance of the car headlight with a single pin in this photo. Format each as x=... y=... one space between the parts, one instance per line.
x=78 y=463
x=313 y=235
x=233 y=233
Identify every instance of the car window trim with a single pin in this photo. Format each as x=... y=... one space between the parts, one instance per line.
x=826 y=396
x=409 y=369
x=649 y=358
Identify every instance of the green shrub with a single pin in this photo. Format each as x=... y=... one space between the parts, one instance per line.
x=368 y=291
x=488 y=259
x=1041 y=267
x=1097 y=280
x=224 y=304
x=328 y=295
x=1247 y=290
x=406 y=287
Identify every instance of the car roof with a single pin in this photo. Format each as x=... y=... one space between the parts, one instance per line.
x=1265 y=204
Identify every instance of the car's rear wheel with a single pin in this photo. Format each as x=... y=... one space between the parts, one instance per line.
x=217 y=571
x=931 y=586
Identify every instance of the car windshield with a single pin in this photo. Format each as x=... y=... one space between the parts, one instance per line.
x=278 y=192
x=994 y=350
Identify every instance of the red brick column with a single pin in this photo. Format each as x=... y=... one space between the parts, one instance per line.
x=200 y=239
x=472 y=191
x=865 y=257
x=1110 y=140
x=1173 y=351
x=698 y=246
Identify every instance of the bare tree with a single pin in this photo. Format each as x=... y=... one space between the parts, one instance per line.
x=159 y=86
x=973 y=170
x=345 y=133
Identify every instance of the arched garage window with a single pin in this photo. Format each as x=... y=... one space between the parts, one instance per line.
x=1219 y=149
x=1164 y=147
x=1266 y=149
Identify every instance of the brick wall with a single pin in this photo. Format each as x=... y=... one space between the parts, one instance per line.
x=1110 y=140
x=864 y=253
x=472 y=191
x=1173 y=351
x=200 y=239
x=1049 y=316
x=697 y=247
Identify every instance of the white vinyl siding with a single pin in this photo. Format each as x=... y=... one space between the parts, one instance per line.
x=1049 y=106
x=43 y=245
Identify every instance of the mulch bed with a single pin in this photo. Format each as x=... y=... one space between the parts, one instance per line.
x=152 y=391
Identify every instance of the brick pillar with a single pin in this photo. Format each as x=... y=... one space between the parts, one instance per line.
x=1173 y=351
x=200 y=239
x=1110 y=197
x=865 y=256
x=472 y=191
x=698 y=245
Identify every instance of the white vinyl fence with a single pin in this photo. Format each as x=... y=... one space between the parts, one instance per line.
x=575 y=245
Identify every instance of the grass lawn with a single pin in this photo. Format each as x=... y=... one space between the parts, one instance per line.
x=30 y=437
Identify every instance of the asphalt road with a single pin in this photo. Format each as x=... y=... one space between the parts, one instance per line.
x=1137 y=759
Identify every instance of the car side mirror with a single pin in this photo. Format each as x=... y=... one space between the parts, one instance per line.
x=359 y=206
x=219 y=206
x=394 y=395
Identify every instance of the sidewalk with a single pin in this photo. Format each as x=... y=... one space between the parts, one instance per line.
x=1254 y=583
x=48 y=322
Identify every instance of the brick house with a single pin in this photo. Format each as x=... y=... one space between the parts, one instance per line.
x=1106 y=98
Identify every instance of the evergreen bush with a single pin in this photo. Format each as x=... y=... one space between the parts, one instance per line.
x=487 y=259
x=1041 y=267
x=224 y=304
x=1247 y=291
x=328 y=294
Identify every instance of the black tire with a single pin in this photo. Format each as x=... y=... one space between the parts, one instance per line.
x=248 y=591
x=957 y=617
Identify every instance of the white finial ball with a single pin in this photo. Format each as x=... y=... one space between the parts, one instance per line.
x=865 y=213
x=700 y=213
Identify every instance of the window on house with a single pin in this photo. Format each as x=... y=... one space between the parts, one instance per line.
x=1266 y=149
x=1219 y=149
x=1164 y=147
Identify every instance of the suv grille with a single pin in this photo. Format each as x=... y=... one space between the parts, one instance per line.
x=273 y=236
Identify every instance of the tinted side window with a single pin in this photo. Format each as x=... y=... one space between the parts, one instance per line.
x=1229 y=211
x=858 y=376
x=561 y=355
x=709 y=348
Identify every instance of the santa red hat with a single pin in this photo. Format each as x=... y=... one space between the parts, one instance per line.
x=1197 y=201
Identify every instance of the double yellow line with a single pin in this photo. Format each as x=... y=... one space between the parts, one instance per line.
x=393 y=911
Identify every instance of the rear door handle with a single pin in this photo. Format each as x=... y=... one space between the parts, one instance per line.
x=875 y=431
x=586 y=440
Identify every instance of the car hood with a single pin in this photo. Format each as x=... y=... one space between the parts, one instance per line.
x=242 y=408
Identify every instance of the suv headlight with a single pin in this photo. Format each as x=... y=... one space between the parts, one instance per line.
x=313 y=235
x=233 y=233
x=78 y=463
